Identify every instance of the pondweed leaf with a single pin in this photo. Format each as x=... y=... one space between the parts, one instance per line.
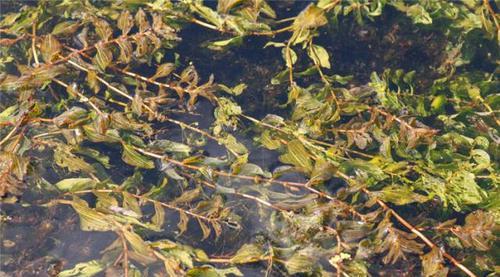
x=134 y=158
x=297 y=155
x=49 y=48
x=209 y=271
x=90 y=219
x=137 y=243
x=159 y=216
x=366 y=177
x=65 y=28
x=433 y=264
x=75 y=184
x=248 y=253
x=125 y=22
x=86 y=269
x=319 y=55
x=104 y=57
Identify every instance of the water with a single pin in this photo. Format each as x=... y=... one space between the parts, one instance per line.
x=38 y=241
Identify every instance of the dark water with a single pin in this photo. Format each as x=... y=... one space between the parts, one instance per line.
x=39 y=241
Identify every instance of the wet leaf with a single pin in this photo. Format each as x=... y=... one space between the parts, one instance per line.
x=131 y=203
x=103 y=57
x=187 y=196
x=64 y=158
x=236 y=90
x=319 y=55
x=310 y=17
x=90 y=219
x=183 y=222
x=66 y=27
x=163 y=70
x=297 y=155
x=125 y=22
x=478 y=230
x=103 y=29
x=299 y=263
x=86 y=269
x=433 y=264
x=142 y=21
x=50 y=48
x=208 y=271
x=137 y=243
x=134 y=158
x=205 y=229
x=159 y=216
x=126 y=50
x=248 y=253
x=92 y=81
x=223 y=44
x=75 y=184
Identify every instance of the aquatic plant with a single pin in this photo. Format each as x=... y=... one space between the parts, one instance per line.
x=391 y=172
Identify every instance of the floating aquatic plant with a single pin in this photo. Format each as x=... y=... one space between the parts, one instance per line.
x=391 y=172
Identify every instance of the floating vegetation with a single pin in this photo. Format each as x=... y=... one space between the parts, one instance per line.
x=363 y=141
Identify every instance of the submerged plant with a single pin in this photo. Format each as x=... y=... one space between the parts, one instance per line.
x=394 y=172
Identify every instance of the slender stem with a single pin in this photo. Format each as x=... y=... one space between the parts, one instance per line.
x=13 y=131
x=33 y=47
x=147 y=199
x=255 y=179
x=125 y=253
x=414 y=230
x=154 y=113
x=244 y=195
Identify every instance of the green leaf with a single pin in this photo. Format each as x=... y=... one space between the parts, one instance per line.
x=87 y=269
x=159 y=216
x=134 y=158
x=90 y=219
x=223 y=44
x=137 y=243
x=297 y=155
x=236 y=90
x=319 y=55
x=170 y=146
x=225 y=5
x=248 y=253
x=310 y=17
x=209 y=271
x=65 y=28
x=208 y=14
x=131 y=203
x=481 y=158
x=64 y=158
x=7 y=115
x=104 y=57
x=289 y=56
x=299 y=263
x=419 y=14
x=75 y=184
x=400 y=195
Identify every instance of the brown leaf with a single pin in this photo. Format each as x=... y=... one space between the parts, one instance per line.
x=49 y=48
x=125 y=22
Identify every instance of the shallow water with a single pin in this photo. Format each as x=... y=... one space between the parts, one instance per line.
x=38 y=241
